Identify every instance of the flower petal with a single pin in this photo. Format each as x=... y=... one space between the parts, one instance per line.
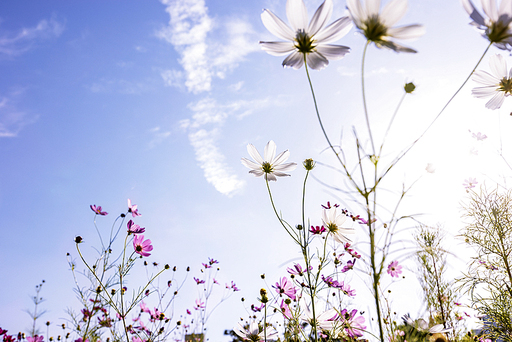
x=321 y=16
x=372 y=8
x=253 y=152
x=485 y=78
x=334 y=31
x=489 y=7
x=294 y=60
x=356 y=12
x=270 y=177
x=250 y=164
x=333 y=51
x=483 y=92
x=394 y=46
x=270 y=151
x=407 y=32
x=473 y=13
x=393 y=12
x=316 y=61
x=277 y=48
x=280 y=174
x=257 y=173
x=496 y=101
x=276 y=26
x=286 y=167
x=281 y=158
x=505 y=8
x=297 y=14
x=498 y=66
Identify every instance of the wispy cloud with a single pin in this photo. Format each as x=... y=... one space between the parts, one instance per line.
x=158 y=136
x=202 y=58
x=109 y=85
x=12 y=119
x=24 y=39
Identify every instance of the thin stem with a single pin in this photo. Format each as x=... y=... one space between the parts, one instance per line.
x=275 y=211
x=391 y=122
x=364 y=96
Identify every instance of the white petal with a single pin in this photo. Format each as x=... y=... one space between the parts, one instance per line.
x=489 y=7
x=286 y=167
x=484 y=77
x=253 y=328
x=276 y=26
x=257 y=173
x=356 y=12
x=340 y=220
x=483 y=92
x=506 y=8
x=281 y=158
x=407 y=32
x=297 y=14
x=253 y=152
x=316 y=61
x=280 y=174
x=333 y=51
x=473 y=13
x=250 y=164
x=395 y=47
x=341 y=238
x=270 y=177
x=334 y=31
x=372 y=7
x=277 y=48
x=496 y=101
x=498 y=66
x=270 y=151
x=393 y=12
x=295 y=60
x=321 y=16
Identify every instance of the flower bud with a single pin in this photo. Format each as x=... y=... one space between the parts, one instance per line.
x=309 y=164
x=409 y=87
x=78 y=239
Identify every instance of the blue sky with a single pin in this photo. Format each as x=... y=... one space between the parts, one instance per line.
x=101 y=101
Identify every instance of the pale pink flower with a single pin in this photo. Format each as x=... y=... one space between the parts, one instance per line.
x=469 y=183
x=353 y=326
x=133 y=209
x=285 y=309
x=394 y=269
x=142 y=247
x=97 y=210
x=286 y=287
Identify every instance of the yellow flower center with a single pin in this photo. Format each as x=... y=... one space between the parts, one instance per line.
x=499 y=31
x=506 y=85
x=374 y=30
x=267 y=167
x=333 y=228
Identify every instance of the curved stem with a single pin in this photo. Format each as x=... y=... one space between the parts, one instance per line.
x=275 y=211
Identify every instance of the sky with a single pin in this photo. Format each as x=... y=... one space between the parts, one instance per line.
x=156 y=101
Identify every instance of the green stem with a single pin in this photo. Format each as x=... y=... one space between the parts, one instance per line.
x=364 y=96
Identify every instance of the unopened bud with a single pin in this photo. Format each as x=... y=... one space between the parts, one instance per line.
x=409 y=87
x=309 y=164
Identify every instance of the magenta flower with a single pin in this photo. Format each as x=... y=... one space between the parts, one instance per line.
x=394 y=269
x=232 y=286
x=297 y=270
x=318 y=230
x=285 y=287
x=199 y=305
x=134 y=228
x=35 y=338
x=347 y=290
x=328 y=206
x=142 y=247
x=353 y=326
x=348 y=266
x=215 y=281
x=255 y=308
x=212 y=261
x=77 y=340
x=136 y=339
x=144 y=307
x=199 y=281
x=2 y=331
x=133 y=209
x=206 y=265
x=97 y=210
x=351 y=251
x=188 y=312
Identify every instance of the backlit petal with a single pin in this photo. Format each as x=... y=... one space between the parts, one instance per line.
x=250 y=164
x=484 y=77
x=277 y=48
x=270 y=151
x=281 y=158
x=295 y=60
x=372 y=7
x=482 y=92
x=276 y=26
x=498 y=66
x=253 y=152
x=496 y=101
x=320 y=18
x=407 y=32
x=473 y=13
x=393 y=12
x=333 y=51
x=489 y=7
x=334 y=31
x=316 y=61
x=297 y=14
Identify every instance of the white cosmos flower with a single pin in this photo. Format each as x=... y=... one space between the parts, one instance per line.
x=334 y=222
x=497 y=84
x=497 y=27
x=271 y=166
x=253 y=334
x=324 y=320
x=303 y=41
x=376 y=26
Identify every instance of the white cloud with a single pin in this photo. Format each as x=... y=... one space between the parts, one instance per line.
x=12 y=120
x=213 y=163
x=158 y=136
x=13 y=44
x=202 y=57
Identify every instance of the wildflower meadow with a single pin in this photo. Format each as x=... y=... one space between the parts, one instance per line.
x=276 y=170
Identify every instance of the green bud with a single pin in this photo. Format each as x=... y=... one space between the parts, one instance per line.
x=309 y=164
x=409 y=87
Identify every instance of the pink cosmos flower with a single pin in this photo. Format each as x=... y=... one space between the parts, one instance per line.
x=199 y=305
x=144 y=307
x=255 y=308
x=394 y=269
x=318 y=230
x=469 y=183
x=142 y=247
x=212 y=261
x=97 y=210
x=347 y=290
x=136 y=339
x=199 y=281
x=133 y=209
x=215 y=281
x=353 y=326
x=134 y=228
x=351 y=251
x=77 y=340
x=35 y=338
x=479 y=136
x=232 y=286
x=285 y=309
x=297 y=270
x=350 y=265
x=188 y=312
x=285 y=287
x=206 y=265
